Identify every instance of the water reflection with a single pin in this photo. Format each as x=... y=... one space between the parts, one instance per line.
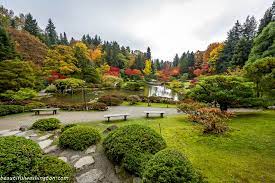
x=160 y=91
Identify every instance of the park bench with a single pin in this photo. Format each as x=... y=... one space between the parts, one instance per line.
x=116 y=115
x=154 y=112
x=37 y=111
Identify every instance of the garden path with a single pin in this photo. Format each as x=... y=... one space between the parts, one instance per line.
x=66 y=117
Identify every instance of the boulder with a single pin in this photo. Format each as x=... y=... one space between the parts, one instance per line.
x=92 y=176
x=84 y=161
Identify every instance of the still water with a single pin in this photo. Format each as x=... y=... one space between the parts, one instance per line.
x=149 y=90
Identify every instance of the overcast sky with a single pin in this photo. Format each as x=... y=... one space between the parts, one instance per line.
x=167 y=26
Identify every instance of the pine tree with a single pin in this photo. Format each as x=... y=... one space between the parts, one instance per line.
x=234 y=35
x=264 y=44
x=31 y=25
x=244 y=45
x=269 y=16
x=148 y=54
x=176 y=60
x=7 y=50
x=65 y=39
x=51 y=35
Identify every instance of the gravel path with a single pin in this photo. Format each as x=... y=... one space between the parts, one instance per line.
x=17 y=120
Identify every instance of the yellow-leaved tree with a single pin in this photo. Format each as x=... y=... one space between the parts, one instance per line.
x=214 y=56
x=148 y=67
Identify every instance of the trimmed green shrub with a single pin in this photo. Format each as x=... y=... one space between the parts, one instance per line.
x=110 y=100
x=79 y=137
x=132 y=145
x=46 y=124
x=170 y=166
x=53 y=167
x=133 y=86
x=66 y=127
x=33 y=105
x=51 y=89
x=17 y=156
x=133 y=99
x=98 y=106
x=10 y=109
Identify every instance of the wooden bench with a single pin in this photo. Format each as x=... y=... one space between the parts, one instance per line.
x=37 y=111
x=154 y=112
x=116 y=115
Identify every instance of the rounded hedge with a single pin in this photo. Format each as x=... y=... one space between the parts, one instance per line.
x=50 y=166
x=79 y=137
x=66 y=127
x=170 y=166
x=132 y=145
x=46 y=124
x=17 y=156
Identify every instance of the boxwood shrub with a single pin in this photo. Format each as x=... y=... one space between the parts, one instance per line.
x=66 y=127
x=110 y=100
x=46 y=124
x=10 y=109
x=53 y=167
x=132 y=145
x=23 y=157
x=170 y=166
x=79 y=137
x=17 y=156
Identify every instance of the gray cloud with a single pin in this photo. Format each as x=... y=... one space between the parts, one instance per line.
x=168 y=26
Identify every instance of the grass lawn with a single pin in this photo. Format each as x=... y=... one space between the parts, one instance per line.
x=144 y=104
x=245 y=154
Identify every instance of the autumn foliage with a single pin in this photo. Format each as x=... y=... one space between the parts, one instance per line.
x=28 y=46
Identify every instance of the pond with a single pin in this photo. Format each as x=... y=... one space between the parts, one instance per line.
x=149 y=90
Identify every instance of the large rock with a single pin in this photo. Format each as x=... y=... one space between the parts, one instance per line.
x=9 y=133
x=23 y=128
x=45 y=143
x=63 y=159
x=45 y=137
x=84 y=161
x=51 y=149
x=92 y=176
x=91 y=149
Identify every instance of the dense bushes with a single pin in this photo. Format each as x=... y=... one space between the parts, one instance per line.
x=133 y=86
x=110 y=100
x=213 y=119
x=46 y=124
x=170 y=166
x=133 y=99
x=79 y=137
x=10 y=109
x=17 y=156
x=53 y=167
x=23 y=157
x=51 y=89
x=156 y=99
x=112 y=81
x=66 y=127
x=97 y=106
x=133 y=145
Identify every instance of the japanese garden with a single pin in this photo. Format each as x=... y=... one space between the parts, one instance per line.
x=89 y=110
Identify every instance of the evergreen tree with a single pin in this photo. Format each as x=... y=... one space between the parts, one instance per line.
x=244 y=45
x=269 y=16
x=31 y=25
x=234 y=35
x=63 y=39
x=157 y=64
x=51 y=35
x=264 y=44
x=96 y=40
x=7 y=50
x=176 y=60
x=148 y=54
